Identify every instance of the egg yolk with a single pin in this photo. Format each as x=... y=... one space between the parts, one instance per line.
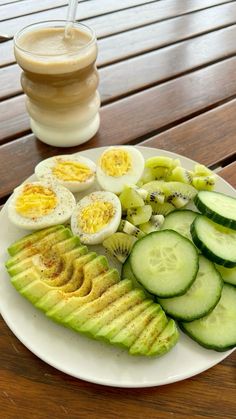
x=72 y=171
x=36 y=201
x=116 y=162
x=95 y=216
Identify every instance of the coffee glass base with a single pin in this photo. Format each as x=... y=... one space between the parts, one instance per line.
x=65 y=138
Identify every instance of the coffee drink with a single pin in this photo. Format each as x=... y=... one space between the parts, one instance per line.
x=60 y=80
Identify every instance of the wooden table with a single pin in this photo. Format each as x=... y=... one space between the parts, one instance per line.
x=167 y=80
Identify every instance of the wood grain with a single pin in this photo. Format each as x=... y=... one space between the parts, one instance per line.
x=229 y=173
x=158 y=106
x=171 y=30
x=158 y=10
x=144 y=70
x=209 y=138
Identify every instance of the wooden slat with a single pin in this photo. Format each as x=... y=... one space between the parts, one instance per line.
x=186 y=95
x=25 y=7
x=170 y=30
x=162 y=9
x=150 y=68
x=129 y=119
x=229 y=173
x=209 y=138
x=86 y=10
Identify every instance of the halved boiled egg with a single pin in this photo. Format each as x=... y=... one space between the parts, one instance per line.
x=96 y=217
x=77 y=173
x=37 y=205
x=119 y=166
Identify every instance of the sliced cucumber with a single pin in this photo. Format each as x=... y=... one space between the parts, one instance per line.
x=165 y=263
x=227 y=274
x=127 y=273
x=218 y=207
x=217 y=330
x=200 y=298
x=180 y=221
x=216 y=242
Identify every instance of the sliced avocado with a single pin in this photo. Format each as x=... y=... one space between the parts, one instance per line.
x=96 y=267
x=84 y=313
x=76 y=281
x=25 y=278
x=71 y=302
x=145 y=340
x=127 y=336
x=114 y=327
x=42 y=246
x=48 y=264
x=32 y=238
x=57 y=294
x=166 y=340
x=112 y=311
x=67 y=267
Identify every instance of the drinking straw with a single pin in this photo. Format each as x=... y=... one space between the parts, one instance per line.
x=71 y=13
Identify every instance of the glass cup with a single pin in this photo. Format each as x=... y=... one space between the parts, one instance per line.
x=60 y=80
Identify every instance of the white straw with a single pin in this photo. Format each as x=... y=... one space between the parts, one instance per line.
x=71 y=13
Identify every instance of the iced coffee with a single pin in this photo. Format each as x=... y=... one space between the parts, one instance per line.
x=60 y=80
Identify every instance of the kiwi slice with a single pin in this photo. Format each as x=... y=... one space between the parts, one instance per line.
x=139 y=215
x=204 y=183
x=154 y=224
x=128 y=228
x=179 y=194
x=182 y=175
x=163 y=209
x=157 y=197
x=130 y=198
x=201 y=170
x=119 y=245
x=159 y=161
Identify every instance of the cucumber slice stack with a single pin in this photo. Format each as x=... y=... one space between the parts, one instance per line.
x=196 y=289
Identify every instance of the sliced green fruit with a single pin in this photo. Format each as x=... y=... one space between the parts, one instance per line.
x=128 y=335
x=130 y=198
x=119 y=245
x=112 y=311
x=166 y=340
x=143 y=344
x=30 y=239
x=162 y=209
x=179 y=194
x=156 y=197
x=111 y=329
x=216 y=330
x=128 y=228
x=159 y=161
x=165 y=263
x=218 y=207
x=204 y=183
x=216 y=242
x=139 y=215
x=154 y=224
x=78 y=317
x=201 y=297
x=179 y=174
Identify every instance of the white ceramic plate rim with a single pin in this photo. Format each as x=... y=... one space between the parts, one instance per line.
x=97 y=362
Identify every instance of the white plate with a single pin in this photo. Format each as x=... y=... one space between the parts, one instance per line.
x=86 y=359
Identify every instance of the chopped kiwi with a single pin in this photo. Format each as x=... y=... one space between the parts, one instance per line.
x=163 y=209
x=130 y=198
x=128 y=228
x=139 y=215
x=204 y=183
x=179 y=194
x=155 y=197
x=119 y=245
x=154 y=224
x=159 y=161
x=180 y=174
x=201 y=170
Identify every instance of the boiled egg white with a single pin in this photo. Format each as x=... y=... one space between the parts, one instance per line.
x=119 y=166
x=96 y=217
x=77 y=173
x=37 y=205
